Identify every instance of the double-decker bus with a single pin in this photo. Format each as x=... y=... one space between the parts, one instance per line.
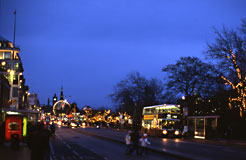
x=162 y=120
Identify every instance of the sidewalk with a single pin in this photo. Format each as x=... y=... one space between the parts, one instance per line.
x=7 y=153
x=225 y=142
x=183 y=149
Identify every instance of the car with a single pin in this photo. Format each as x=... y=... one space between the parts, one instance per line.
x=74 y=124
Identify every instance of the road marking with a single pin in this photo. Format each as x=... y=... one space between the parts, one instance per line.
x=52 y=151
x=75 y=153
x=68 y=146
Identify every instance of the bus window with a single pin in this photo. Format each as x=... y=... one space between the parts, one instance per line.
x=170 y=124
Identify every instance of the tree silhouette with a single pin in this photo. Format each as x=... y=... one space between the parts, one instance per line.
x=135 y=92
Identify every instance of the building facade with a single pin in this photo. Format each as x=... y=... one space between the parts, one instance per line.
x=4 y=92
x=12 y=70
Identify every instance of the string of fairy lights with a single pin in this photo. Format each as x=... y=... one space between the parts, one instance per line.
x=240 y=87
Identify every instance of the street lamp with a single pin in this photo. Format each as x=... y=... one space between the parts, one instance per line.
x=185 y=114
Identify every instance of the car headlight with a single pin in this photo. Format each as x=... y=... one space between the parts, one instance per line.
x=73 y=125
x=164 y=132
x=176 y=133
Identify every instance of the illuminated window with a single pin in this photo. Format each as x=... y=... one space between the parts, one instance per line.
x=16 y=56
x=7 y=55
x=16 y=66
x=1 y=55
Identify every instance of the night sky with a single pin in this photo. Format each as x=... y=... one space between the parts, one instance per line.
x=87 y=46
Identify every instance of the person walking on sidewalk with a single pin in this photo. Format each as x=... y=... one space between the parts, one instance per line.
x=135 y=139
x=38 y=143
x=144 y=144
x=128 y=142
x=53 y=130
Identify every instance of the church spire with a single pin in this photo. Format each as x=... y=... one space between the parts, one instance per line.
x=61 y=96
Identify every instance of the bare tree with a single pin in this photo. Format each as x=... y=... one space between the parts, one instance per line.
x=190 y=76
x=135 y=92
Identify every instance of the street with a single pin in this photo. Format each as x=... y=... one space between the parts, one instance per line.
x=72 y=145
x=109 y=144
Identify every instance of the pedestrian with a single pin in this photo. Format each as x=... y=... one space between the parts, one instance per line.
x=135 y=139
x=2 y=130
x=53 y=130
x=38 y=142
x=128 y=142
x=144 y=144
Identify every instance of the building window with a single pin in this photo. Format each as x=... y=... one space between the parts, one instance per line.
x=1 y=55
x=4 y=45
x=15 y=92
x=16 y=66
x=7 y=55
x=16 y=56
x=7 y=65
x=15 y=80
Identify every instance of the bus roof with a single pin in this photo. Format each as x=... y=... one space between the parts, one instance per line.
x=163 y=106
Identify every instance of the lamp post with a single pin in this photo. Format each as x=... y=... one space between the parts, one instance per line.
x=185 y=114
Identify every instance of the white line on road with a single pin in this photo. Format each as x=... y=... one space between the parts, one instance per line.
x=52 y=151
x=76 y=153
x=68 y=146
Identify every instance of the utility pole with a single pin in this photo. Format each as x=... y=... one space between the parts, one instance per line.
x=14 y=27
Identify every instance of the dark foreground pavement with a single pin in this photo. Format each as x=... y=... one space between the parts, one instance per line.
x=7 y=153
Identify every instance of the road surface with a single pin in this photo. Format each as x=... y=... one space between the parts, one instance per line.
x=70 y=144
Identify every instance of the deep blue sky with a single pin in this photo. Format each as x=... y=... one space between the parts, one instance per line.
x=89 y=45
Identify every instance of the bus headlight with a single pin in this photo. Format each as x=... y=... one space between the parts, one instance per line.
x=164 y=132
x=176 y=133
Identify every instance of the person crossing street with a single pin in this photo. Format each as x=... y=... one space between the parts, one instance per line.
x=144 y=144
